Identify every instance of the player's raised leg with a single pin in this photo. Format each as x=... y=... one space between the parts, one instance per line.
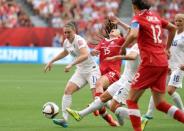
x=102 y=84
x=96 y=104
x=165 y=107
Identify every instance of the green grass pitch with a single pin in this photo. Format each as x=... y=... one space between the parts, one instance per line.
x=24 y=88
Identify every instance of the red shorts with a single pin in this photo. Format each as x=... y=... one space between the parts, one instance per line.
x=112 y=76
x=150 y=77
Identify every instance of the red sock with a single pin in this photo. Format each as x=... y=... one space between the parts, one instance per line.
x=134 y=115
x=102 y=111
x=171 y=111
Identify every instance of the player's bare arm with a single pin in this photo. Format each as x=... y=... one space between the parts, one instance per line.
x=83 y=56
x=171 y=33
x=132 y=35
x=94 y=52
x=116 y=20
x=56 y=58
x=130 y=56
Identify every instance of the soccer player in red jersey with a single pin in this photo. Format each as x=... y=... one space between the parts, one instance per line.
x=110 y=70
x=147 y=27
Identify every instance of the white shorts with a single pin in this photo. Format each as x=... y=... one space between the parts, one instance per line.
x=113 y=88
x=122 y=94
x=176 y=78
x=81 y=79
x=119 y=90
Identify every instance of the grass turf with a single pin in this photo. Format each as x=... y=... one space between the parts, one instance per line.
x=24 y=88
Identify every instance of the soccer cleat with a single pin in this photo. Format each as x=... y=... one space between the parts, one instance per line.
x=60 y=122
x=144 y=121
x=74 y=114
x=108 y=118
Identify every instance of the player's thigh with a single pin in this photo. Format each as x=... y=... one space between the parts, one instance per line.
x=92 y=78
x=122 y=94
x=135 y=94
x=176 y=78
x=102 y=83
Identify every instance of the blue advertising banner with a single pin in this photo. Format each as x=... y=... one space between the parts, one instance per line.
x=20 y=55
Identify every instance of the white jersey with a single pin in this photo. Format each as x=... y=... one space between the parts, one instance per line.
x=177 y=51
x=131 y=65
x=74 y=50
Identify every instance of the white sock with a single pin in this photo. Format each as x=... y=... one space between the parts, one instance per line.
x=177 y=100
x=96 y=104
x=151 y=107
x=108 y=104
x=121 y=113
x=66 y=103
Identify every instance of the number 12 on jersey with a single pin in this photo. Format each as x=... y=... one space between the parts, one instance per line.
x=156 y=30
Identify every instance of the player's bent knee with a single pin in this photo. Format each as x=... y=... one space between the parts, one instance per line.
x=69 y=90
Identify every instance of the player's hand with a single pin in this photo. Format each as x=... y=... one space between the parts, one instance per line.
x=94 y=52
x=48 y=67
x=182 y=67
x=68 y=67
x=114 y=19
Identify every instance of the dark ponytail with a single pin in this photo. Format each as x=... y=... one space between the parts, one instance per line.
x=141 y=4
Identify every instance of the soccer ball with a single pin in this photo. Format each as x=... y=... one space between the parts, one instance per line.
x=50 y=110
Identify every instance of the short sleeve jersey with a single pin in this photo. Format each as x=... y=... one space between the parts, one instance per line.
x=177 y=51
x=149 y=39
x=109 y=48
x=74 y=50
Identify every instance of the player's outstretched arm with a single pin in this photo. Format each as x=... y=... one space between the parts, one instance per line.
x=131 y=37
x=56 y=58
x=130 y=56
x=171 y=33
x=82 y=57
x=116 y=20
x=94 y=52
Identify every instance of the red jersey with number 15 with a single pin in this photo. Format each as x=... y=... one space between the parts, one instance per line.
x=149 y=40
x=109 y=48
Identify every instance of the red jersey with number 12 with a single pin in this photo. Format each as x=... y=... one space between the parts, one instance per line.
x=149 y=40
x=109 y=48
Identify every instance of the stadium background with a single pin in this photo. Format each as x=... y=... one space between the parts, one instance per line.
x=31 y=34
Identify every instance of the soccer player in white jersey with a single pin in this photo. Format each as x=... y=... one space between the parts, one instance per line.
x=87 y=70
x=118 y=90
x=175 y=64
